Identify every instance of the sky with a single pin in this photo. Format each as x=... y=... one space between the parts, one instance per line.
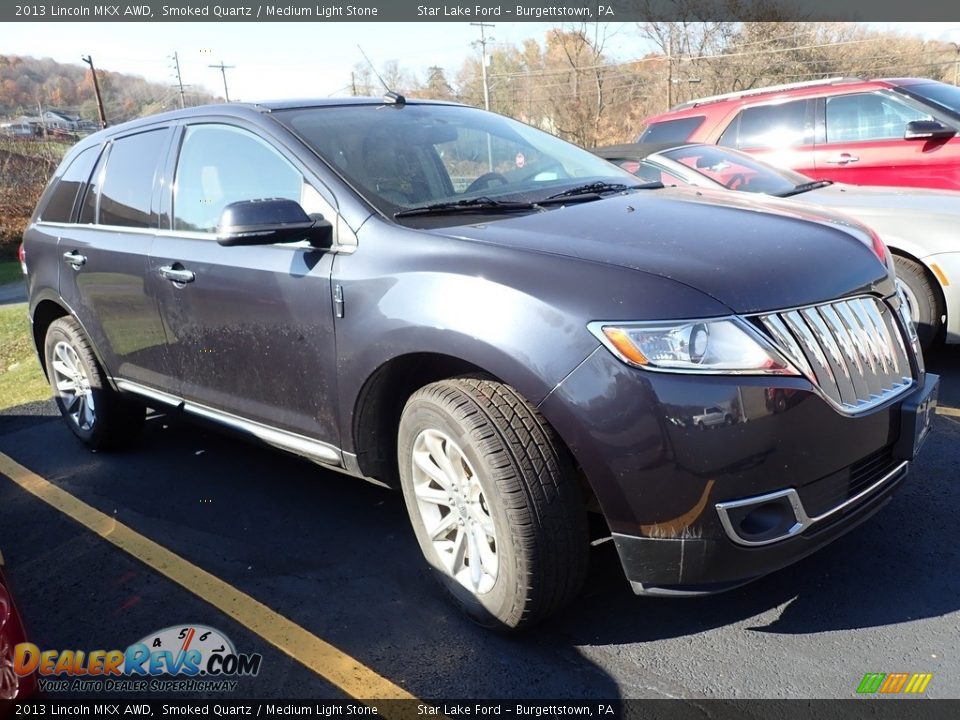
x=291 y=60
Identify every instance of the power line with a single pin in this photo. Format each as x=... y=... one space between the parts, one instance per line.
x=662 y=58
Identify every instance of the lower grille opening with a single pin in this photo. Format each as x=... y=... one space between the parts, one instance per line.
x=822 y=495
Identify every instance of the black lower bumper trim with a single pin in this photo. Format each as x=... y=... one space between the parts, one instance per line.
x=697 y=566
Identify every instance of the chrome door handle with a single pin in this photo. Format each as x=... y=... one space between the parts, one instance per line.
x=177 y=276
x=72 y=257
x=842 y=159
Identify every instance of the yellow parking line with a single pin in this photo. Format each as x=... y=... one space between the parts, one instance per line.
x=948 y=411
x=333 y=665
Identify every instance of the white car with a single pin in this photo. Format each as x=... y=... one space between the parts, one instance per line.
x=919 y=226
x=712 y=417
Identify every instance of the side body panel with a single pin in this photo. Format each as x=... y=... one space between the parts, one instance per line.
x=252 y=335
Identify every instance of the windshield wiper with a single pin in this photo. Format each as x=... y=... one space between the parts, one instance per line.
x=590 y=191
x=804 y=187
x=594 y=189
x=479 y=204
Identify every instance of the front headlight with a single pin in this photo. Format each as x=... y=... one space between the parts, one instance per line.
x=720 y=347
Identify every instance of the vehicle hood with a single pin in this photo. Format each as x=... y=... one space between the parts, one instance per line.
x=886 y=199
x=751 y=253
x=920 y=220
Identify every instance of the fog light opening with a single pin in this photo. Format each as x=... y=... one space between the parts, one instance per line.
x=771 y=519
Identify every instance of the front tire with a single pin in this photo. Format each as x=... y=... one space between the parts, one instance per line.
x=93 y=411
x=494 y=501
x=923 y=300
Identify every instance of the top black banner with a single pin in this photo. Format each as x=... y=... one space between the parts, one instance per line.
x=559 y=11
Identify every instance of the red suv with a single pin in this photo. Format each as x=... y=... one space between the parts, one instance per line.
x=864 y=132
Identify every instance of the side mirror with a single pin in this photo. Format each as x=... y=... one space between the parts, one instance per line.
x=927 y=130
x=269 y=221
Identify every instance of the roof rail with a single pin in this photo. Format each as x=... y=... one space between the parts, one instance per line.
x=765 y=90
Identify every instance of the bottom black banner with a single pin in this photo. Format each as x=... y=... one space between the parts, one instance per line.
x=872 y=709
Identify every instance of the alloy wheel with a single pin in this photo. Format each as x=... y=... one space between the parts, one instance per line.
x=455 y=511
x=73 y=386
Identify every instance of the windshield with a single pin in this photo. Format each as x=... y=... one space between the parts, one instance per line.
x=404 y=157
x=735 y=170
x=940 y=94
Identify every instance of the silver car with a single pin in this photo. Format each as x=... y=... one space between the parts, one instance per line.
x=919 y=226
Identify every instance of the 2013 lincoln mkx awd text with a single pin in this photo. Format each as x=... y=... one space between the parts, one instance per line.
x=507 y=327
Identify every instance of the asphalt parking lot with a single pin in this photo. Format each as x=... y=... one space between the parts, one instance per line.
x=335 y=556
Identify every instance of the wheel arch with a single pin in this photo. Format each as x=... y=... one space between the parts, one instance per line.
x=931 y=277
x=377 y=410
x=380 y=402
x=43 y=315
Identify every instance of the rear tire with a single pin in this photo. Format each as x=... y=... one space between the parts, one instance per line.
x=923 y=299
x=498 y=482
x=93 y=411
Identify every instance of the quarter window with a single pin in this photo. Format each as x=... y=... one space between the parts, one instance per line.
x=668 y=131
x=220 y=165
x=60 y=206
x=868 y=116
x=127 y=193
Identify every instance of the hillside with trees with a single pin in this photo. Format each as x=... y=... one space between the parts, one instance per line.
x=26 y=82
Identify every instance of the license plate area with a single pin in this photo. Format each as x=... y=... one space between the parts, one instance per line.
x=916 y=418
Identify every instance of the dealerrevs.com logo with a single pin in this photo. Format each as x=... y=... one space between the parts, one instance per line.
x=181 y=658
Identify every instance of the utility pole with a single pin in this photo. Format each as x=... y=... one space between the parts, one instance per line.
x=670 y=69
x=176 y=68
x=956 y=65
x=96 y=89
x=483 y=60
x=223 y=71
x=353 y=83
x=486 y=87
x=43 y=121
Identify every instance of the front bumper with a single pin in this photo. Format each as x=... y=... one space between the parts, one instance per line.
x=659 y=479
x=678 y=566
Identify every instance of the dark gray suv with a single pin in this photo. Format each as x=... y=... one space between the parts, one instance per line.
x=506 y=327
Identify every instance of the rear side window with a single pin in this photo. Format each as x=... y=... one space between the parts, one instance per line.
x=127 y=192
x=668 y=131
x=59 y=208
x=88 y=205
x=771 y=126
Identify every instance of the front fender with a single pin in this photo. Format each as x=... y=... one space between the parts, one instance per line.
x=519 y=315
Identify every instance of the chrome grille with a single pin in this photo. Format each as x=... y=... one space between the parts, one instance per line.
x=852 y=349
